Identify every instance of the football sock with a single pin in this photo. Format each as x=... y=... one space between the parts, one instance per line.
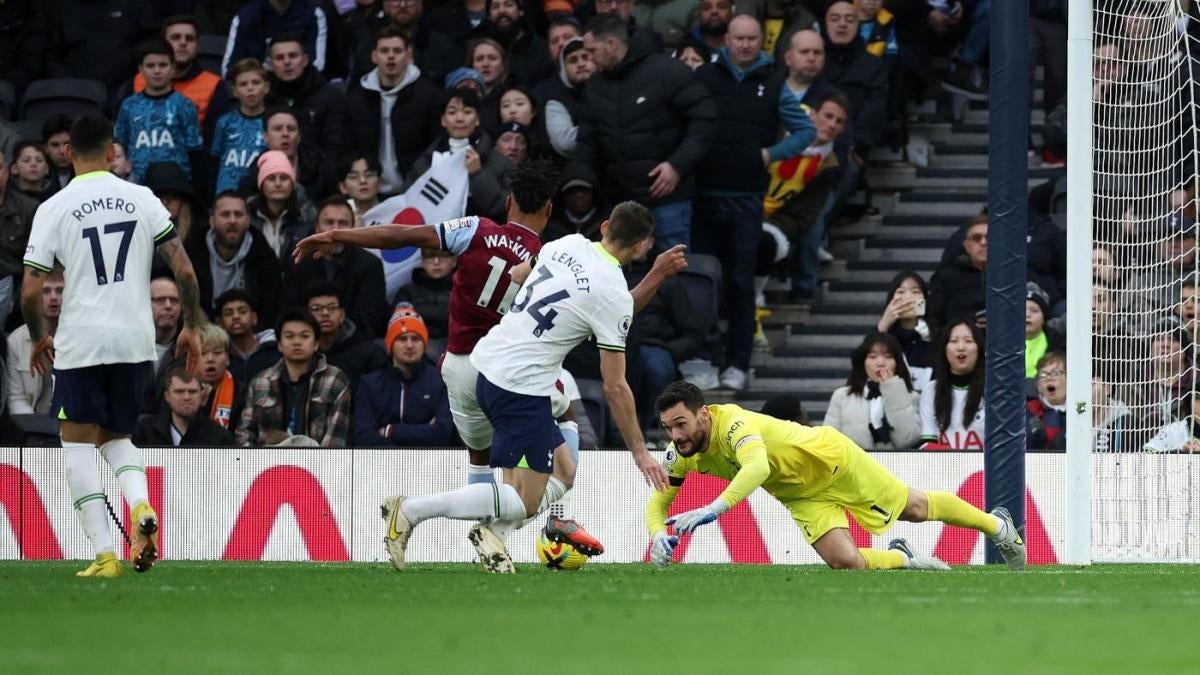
x=555 y=489
x=480 y=474
x=570 y=432
x=83 y=481
x=471 y=502
x=126 y=463
x=883 y=560
x=949 y=509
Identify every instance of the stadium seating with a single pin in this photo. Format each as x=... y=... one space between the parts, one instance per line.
x=63 y=95
x=8 y=101
x=210 y=52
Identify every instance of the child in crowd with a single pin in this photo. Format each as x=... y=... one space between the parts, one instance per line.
x=1039 y=338
x=159 y=124
x=238 y=138
x=1046 y=414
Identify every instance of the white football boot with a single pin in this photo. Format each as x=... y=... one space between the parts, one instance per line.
x=493 y=555
x=915 y=560
x=1008 y=540
x=397 y=530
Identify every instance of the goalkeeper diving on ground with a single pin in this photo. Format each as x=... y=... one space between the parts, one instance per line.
x=816 y=472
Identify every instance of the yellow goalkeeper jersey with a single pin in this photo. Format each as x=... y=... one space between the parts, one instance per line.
x=752 y=450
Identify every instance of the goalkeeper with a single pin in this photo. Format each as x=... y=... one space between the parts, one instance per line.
x=816 y=472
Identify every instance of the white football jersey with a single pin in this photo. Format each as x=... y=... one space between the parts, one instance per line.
x=576 y=290
x=103 y=231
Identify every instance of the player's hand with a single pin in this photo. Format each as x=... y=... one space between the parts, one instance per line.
x=666 y=179
x=188 y=344
x=688 y=521
x=670 y=262
x=41 y=358
x=662 y=549
x=656 y=475
x=316 y=246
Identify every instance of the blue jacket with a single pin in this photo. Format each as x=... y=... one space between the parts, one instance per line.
x=257 y=24
x=418 y=409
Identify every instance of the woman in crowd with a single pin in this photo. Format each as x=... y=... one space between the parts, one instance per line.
x=490 y=60
x=518 y=106
x=952 y=405
x=277 y=210
x=877 y=408
x=904 y=318
x=488 y=170
x=30 y=168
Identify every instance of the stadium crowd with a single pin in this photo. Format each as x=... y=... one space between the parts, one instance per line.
x=746 y=128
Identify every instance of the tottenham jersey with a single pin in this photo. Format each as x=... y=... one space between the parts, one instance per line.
x=103 y=231
x=576 y=290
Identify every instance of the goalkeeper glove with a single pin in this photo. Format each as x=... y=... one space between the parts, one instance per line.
x=663 y=548
x=688 y=521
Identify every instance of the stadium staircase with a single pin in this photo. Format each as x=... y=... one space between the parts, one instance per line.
x=920 y=207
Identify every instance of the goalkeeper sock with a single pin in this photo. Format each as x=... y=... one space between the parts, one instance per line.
x=126 y=463
x=472 y=502
x=883 y=560
x=83 y=481
x=480 y=474
x=949 y=509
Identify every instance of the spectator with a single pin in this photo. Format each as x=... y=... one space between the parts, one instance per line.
x=459 y=20
x=165 y=309
x=302 y=395
x=670 y=335
x=168 y=182
x=204 y=89
x=877 y=407
x=1046 y=413
x=1040 y=339
x=356 y=274
x=120 y=165
x=712 y=22
x=1110 y=420
x=250 y=352
x=562 y=30
x=904 y=319
x=967 y=77
x=56 y=134
x=648 y=153
x=799 y=190
x=404 y=404
x=261 y=23
x=877 y=28
x=393 y=111
x=319 y=106
x=429 y=295
x=1167 y=374
x=30 y=167
x=958 y=288
x=92 y=39
x=465 y=78
x=528 y=54
x=488 y=170
x=436 y=53
x=1186 y=309
x=158 y=124
x=223 y=397
x=22 y=42
x=16 y=218
x=233 y=255
x=513 y=142
x=518 y=105
x=1145 y=295
x=343 y=343
x=785 y=407
x=575 y=210
x=179 y=425
x=278 y=210
x=562 y=99
x=239 y=136
x=733 y=177
x=781 y=19
x=28 y=392
x=488 y=58
x=693 y=54
x=804 y=55
x=952 y=406
x=360 y=183
x=282 y=133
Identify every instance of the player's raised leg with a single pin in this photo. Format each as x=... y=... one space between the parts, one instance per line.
x=950 y=509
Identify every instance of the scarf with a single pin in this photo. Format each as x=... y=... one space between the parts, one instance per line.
x=222 y=401
x=881 y=431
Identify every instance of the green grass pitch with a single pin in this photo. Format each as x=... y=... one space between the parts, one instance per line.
x=355 y=618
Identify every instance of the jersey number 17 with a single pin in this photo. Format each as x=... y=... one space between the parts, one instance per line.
x=92 y=234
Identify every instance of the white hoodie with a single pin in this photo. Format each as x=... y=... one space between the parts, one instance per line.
x=391 y=179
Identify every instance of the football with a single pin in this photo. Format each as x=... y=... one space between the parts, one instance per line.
x=558 y=556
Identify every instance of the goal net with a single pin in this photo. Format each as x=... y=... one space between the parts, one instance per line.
x=1145 y=486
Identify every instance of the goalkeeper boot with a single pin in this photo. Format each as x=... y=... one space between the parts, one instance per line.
x=399 y=529
x=143 y=540
x=1008 y=540
x=915 y=560
x=566 y=531
x=493 y=555
x=106 y=566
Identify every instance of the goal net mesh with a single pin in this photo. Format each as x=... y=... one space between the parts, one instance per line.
x=1144 y=362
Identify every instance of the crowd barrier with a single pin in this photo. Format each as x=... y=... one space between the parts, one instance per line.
x=323 y=504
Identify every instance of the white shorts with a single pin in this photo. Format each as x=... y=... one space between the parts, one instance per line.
x=473 y=426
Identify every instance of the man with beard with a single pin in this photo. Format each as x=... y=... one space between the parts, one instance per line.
x=713 y=22
x=319 y=106
x=528 y=58
x=561 y=96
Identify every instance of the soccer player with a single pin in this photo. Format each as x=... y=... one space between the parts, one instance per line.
x=816 y=472
x=575 y=290
x=104 y=232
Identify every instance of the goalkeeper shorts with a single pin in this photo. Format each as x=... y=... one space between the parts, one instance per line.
x=871 y=493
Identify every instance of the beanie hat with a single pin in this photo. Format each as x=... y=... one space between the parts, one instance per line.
x=272 y=162
x=460 y=75
x=514 y=127
x=1035 y=293
x=405 y=320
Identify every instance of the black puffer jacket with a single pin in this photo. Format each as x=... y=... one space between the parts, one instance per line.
x=321 y=108
x=956 y=291
x=863 y=79
x=649 y=109
x=431 y=299
x=415 y=119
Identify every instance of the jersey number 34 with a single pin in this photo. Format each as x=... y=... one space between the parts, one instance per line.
x=540 y=311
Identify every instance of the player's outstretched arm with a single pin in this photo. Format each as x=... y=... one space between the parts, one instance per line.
x=325 y=244
x=668 y=263
x=620 y=403
x=41 y=359
x=188 y=342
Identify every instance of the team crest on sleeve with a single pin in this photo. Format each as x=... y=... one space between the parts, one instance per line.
x=670 y=457
x=624 y=325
